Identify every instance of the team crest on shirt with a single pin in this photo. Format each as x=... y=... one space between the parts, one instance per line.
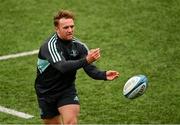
x=73 y=53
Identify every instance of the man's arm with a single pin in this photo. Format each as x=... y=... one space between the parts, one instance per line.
x=94 y=72
x=91 y=69
x=70 y=65
x=57 y=60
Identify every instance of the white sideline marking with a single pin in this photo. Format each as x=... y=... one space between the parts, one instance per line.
x=11 y=111
x=18 y=55
x=15 y=113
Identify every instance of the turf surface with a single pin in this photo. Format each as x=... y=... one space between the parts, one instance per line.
x=135 y=37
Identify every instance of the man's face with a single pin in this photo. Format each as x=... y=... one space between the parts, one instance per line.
x=65 y=29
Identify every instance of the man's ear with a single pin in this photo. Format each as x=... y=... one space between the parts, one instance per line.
x=56 y=28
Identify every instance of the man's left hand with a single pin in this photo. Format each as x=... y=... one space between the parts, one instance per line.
x=111 y=75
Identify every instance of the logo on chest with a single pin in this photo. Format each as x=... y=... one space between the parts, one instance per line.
x=73 y=53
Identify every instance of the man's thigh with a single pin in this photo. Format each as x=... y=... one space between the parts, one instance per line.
x=69 y=108
x=69 y=113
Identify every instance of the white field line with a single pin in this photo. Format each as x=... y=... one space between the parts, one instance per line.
x=15 y=113
x=18 y=55
x=11 y=111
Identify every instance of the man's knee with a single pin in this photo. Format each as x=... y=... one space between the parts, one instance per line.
x=69 y=113
x=54 y=120
x=70 y=120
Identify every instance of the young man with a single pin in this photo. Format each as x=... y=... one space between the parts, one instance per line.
x=58 y=60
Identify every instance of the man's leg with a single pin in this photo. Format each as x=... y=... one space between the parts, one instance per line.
x=69 y=113
x=48 y=111
x=54 y=120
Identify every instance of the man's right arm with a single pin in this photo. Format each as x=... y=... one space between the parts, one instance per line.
x=57 y=60
x=70 y=65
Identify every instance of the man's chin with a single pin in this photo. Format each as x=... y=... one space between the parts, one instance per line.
x=69 y=38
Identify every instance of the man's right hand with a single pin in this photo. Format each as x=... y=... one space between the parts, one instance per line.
x=93 y=55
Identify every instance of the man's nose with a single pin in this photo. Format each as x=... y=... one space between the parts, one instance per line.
x=70 y=29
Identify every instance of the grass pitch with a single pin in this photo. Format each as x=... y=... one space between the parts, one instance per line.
x=135 y=37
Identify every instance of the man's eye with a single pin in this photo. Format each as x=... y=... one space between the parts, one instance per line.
x=66 y=27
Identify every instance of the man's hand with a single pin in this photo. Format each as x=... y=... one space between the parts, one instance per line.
x=93 y=55
x=111 y=75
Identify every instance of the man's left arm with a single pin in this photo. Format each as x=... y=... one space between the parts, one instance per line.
x=95 y=73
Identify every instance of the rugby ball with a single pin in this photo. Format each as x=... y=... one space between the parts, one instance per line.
x=135 y=86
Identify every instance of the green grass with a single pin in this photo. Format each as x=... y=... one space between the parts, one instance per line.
x=135 y=37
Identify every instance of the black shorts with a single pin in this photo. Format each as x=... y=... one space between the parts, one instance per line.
x=49 y=106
